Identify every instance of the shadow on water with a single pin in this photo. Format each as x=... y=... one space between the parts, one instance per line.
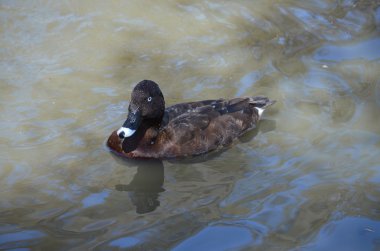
x=146 y=185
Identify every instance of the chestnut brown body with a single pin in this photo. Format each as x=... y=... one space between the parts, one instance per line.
x=187 y=129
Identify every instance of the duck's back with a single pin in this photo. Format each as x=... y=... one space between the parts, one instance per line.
x=194 y=128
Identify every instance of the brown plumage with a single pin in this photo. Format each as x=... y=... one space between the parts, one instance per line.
x=185 y=129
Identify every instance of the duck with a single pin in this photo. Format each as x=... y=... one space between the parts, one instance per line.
x=153 y=131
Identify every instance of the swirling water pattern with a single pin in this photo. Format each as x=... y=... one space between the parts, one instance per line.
x=307 y=179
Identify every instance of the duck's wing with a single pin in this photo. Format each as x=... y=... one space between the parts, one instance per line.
x=221 y=106
x=179 y=109
x=207 y=127
x=204 y=126
x=199 y=114
x=187 y=126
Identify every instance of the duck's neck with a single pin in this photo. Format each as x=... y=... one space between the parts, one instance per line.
x=140 y=136
x=164 y=120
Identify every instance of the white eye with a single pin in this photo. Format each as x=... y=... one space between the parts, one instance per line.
x=149 y=99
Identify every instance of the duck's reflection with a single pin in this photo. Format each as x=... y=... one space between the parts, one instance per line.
x=145 y=186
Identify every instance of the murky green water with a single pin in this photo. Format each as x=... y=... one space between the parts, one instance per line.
x=307 y=179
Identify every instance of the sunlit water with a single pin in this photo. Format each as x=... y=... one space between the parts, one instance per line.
x=307 y=179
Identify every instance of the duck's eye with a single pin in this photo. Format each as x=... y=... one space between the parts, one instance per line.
x=149 y=99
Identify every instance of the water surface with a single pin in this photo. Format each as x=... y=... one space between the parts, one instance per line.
x=307 y=179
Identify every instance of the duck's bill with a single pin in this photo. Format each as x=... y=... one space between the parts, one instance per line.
x=125 y=132
x=130 y=126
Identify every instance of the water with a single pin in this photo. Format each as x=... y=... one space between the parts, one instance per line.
x=307 y=179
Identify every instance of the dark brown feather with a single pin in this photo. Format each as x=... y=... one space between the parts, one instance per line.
x=192 y=129
x=184 y=129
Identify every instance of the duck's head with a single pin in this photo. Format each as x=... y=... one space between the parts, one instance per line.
x=147 y=105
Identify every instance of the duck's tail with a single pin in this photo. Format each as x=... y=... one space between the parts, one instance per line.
x=261 y=103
